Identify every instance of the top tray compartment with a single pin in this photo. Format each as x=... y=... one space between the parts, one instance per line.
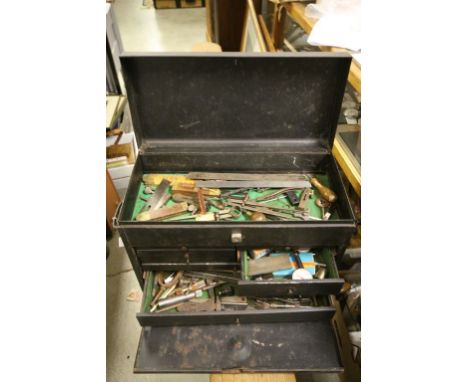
x=236 y=113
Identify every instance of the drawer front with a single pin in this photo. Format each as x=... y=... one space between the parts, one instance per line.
x=291 y=288
x=256 y=235
x=187 y=258
x=237 y=317
x=185 y=255
x=250 y=347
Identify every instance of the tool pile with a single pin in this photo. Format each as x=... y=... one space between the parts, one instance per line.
x=200 y=291
x=265 y=264
x=206 y=196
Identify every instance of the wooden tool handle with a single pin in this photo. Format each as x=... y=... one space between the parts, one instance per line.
x=326 y=193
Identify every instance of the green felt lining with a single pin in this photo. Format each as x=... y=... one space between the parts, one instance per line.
x=314 y=210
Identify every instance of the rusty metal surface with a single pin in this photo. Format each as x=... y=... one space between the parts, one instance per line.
x=300 y=346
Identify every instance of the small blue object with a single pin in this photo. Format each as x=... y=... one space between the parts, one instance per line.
x=306 y=257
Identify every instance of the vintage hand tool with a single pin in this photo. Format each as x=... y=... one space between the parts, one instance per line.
x=191 y=189
x=179 y=197
x=305 y=215
x=258 y=217
x=192 y=208
x=187 y=297
x=322 y=203
x=258 y=253
x=244 y=176
x=272 y=200
x=157 y=198
x=268 y=264
x=292 y=197
x=190 y=288
x=214 y=276
x=201 y=202
x=234 y=302
x=164 y=212
x=262 y=205
x=305 y=196
x=300 y=273
x=232 y=192
x=326 y=193
x=224 y=214
x=155 y=179
x=251 y=183
x=178 y=218
x=215 y=203
x=275 y=193
x=263 y=304
x=320 y=273
x=263 y=210
x=206 y=217
x=166 y=284
x=148 y=190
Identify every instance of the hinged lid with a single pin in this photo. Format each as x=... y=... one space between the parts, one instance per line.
x=237 y=98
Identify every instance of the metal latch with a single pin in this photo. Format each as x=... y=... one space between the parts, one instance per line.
x=116 y=214
x=236 y=237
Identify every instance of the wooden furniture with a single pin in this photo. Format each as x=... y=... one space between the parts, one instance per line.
x=342 y=154
x=225 y=22
x=345 y=157
x=297 y=12
x=112 y=200
x=169 y=4
x=252 y=35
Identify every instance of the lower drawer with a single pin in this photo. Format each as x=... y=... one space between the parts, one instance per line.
x=216 y=338
x=223 y=304
x=271 y=286
x=250 y=347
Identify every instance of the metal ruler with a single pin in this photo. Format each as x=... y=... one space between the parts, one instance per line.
x=252 y=183
x=242 y=176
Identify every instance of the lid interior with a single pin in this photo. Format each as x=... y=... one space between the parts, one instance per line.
x=241 y=98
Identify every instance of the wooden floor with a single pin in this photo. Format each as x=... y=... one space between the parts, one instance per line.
x=252 y=378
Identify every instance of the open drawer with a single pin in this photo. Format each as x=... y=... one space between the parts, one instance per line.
x=231 y=340
x=285 y=286
x=215 y=306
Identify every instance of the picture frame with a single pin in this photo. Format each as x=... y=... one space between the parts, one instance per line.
x=252 y=37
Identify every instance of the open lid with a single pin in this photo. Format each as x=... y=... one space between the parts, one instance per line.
x=240 y=98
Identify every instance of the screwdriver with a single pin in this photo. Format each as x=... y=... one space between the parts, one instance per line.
x=326 y=193
x=186 y=297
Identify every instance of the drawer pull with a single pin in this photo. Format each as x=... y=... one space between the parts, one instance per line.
x=236 y=237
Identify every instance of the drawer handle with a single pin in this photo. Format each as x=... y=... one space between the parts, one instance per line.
x=187 y=257
x=236 y=237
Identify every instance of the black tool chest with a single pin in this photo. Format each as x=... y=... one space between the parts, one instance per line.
x=236 y=113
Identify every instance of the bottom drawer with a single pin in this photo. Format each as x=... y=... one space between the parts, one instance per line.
x=253 y=347
x=220 y=333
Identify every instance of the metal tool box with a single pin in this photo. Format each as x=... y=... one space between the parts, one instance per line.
x=224 y=112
